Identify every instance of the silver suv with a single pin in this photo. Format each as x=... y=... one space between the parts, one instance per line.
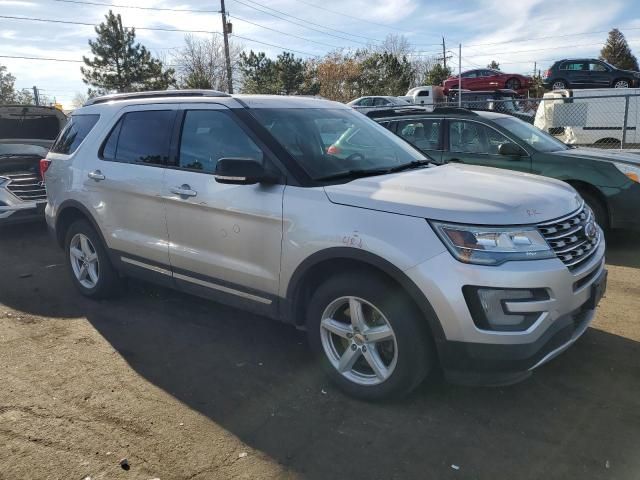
x=308 y=212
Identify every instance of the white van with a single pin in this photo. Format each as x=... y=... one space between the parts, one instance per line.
x=427 y=96
x=589 y=117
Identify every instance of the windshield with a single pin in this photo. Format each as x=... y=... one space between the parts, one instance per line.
x=22 y=149
x=328 y=142
x=536 y=138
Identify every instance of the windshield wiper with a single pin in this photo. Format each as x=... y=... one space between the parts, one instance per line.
x=358 y=173
x=412 y=165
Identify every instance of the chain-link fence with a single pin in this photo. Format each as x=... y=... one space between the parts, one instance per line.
x=579 y=117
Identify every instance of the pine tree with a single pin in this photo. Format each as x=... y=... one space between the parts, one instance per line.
x=616 y=51
x=494 y=65
x=120 y=64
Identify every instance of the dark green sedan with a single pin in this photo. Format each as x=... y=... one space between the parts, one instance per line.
x=607 y=180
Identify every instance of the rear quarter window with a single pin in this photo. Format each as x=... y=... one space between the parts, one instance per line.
x=74 y=133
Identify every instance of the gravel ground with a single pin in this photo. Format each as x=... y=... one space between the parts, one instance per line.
x=188 y=389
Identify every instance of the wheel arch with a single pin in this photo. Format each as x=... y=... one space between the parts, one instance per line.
x=319 y=266
x=70 y=211
x=582 y=186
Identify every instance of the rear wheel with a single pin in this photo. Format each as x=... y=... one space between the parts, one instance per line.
x=558 y=85
x=512 y=84
x=90 y=267
x=369 y=337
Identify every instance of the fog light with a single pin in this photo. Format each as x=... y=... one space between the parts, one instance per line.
x=487 y=307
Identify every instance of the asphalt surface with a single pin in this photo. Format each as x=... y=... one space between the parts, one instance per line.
x=185 y=388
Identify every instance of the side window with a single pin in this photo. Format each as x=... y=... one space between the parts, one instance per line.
x=424 y=133
x=423 y=93
x=597 y=67
x=472 y=137
x=381 y=101
x=140 y=137
x=208 y=136
x=573 y=66
x=365 y=102
x=74 y=133
x=472 y=74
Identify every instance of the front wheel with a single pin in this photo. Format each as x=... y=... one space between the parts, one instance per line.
x=622 y=83
x=371 y=340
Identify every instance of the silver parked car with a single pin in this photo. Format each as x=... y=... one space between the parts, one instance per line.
x=394 y=266
x=26 y=133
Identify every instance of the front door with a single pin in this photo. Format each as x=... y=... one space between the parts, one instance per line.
x=475 y=143
x=599 y=75
x=225 y=240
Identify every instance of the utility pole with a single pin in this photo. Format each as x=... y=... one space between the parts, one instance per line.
x=225 y=32
x=36 y=95
x=535 y=68
x=460 y=75
x=444 y=53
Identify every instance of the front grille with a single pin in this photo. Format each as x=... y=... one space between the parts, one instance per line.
x=26 y=186
x=568 y=237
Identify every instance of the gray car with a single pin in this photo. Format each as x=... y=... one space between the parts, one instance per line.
x=26 y=133
x=394 y=266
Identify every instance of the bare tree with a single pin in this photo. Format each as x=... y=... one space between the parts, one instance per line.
x=79 y=99
x=421 y=67
x=201 y=63
x=396 y=45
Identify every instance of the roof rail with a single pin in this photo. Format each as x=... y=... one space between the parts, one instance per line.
x=155 y=94
x=458 y=110
x=391 y=111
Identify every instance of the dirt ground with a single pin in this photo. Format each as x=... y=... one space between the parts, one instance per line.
x=188 y=389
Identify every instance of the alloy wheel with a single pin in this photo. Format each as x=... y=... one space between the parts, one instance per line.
x=559 y=85
x=84 y=261
x=621 y=84
x=358 y=340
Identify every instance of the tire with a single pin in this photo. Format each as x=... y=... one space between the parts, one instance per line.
x=404 y=353
x=559 y=84
x=597 y=207
x=89 y=265
x=512 y=84
x=621 y=83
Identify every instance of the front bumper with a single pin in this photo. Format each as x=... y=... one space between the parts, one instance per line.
x=471 y=355
x=21 y=212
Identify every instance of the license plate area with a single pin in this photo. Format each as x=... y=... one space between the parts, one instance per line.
x=598 y=290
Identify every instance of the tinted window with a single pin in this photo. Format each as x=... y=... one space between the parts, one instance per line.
x=423 y=93
x=597 y=67
x=541 y=141
x=74 y=133
x=140 y=137
x=423 y=133
x=573 y=66
x=208 y=136
x=365 y=102
x=472 y=74
x=472 y=137
x=381 y=101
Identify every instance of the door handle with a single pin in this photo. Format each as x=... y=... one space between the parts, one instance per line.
x=96 y=175
x=183 y=191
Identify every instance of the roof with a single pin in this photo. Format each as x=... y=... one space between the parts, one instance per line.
x=199 y=96
x=437 y=112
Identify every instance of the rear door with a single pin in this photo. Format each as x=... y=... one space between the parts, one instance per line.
x=472 y=142
x=423 y=133
x=576 y=72
x=471 y=80
x=225 y=240
x=124 y=186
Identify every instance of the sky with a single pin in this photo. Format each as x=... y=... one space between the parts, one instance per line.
x=517 y=34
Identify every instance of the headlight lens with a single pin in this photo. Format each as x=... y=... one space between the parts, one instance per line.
x=630 y=171
x=637 y=75
x=493 y=246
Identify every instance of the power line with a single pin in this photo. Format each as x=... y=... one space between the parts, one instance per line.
x=79 y=2
x=544 y=37
x=308 y=22
x=274 y=45
x=19 y=57
x=68 y=22
x=534 y=50
x=283 y=33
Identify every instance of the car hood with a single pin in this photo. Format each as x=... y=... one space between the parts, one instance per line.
x=30 y=122
x=463 y=194
x=602 y=155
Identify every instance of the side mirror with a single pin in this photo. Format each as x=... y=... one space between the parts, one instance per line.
x=510 y=150
x=241 y=171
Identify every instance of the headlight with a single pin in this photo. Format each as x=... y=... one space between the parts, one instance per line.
x=629 y=170
x=493 y=246
x=636 y=75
